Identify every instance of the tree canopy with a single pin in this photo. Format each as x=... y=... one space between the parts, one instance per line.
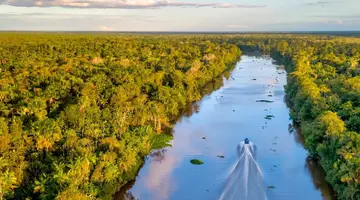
x=78 y=112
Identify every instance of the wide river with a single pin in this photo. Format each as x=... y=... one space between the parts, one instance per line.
x=212 y=131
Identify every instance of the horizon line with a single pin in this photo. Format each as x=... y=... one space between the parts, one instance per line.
x=110 y=31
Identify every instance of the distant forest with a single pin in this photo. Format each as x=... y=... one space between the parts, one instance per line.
x=78 y=112
x=320 y=33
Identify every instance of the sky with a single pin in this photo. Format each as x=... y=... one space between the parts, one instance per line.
x=180 y=15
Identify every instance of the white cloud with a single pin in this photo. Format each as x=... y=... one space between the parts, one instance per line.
x=135 y=4
x=105 y=28
x=318 y=3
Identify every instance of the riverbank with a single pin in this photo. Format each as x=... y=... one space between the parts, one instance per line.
x=211 y=133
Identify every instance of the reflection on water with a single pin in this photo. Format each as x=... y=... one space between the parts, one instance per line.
x=318 y=176
x=207 y=90
x=158 y=155
x=125 y=193
x=211 y=129
x=317 y=173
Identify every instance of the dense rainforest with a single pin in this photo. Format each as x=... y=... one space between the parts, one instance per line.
x=323 y=91
x=78 y=112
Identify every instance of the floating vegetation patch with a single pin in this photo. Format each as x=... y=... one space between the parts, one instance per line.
x=196 y=162
x=271 y=187
x=264 y=101
x=282 y=67
x=269 y=117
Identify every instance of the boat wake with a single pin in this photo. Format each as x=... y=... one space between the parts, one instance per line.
x=246 y=181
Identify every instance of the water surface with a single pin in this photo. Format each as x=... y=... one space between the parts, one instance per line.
x=212 y=131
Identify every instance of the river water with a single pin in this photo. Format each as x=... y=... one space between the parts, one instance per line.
x=212 y=130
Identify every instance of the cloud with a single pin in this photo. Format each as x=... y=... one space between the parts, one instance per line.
x=105 y=28
x=226 y=5
x=314 y=25
x=88 y=17
x=337 y=16
x=341 y=22
x=128 y=4
x=237 y=26
x=337 y=19
x=318 y=3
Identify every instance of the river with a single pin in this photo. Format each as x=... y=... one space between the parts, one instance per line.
x=211 y=132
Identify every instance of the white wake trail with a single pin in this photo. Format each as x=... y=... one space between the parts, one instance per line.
x=246 y=181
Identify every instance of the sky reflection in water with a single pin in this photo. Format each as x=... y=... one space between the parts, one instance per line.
x=225 y=117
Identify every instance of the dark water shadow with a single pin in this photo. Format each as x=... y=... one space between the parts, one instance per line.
x=318 y=177
x=316 y=171
x=124 y=193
